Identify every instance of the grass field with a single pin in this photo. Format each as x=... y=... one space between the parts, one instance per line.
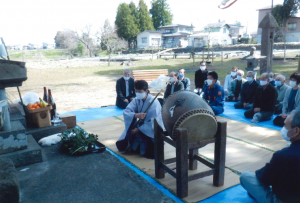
x=87 y=84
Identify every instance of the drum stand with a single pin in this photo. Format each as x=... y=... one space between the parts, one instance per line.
x=187 y=157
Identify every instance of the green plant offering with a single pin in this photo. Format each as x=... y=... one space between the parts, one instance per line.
x=77 y=140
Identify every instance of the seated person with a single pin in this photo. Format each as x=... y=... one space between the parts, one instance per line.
x=201 y=76
x=272 y=79
x=174 y=85
x=185 y=81
x=125 y=90
x=229 y=78
x=291 y=100
x=264 y=101
x=140 y=138
x=235 y=88
x=281 y=88
x=214 y=93
x=281 y=173
x=248 y=92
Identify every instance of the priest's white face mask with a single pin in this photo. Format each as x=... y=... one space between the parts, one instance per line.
x=140 y=95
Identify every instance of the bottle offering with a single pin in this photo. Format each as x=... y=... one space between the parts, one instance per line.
x=52 y=103
x=45 y=97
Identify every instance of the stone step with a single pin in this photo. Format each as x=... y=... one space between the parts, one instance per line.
x=39 y=133
x=31 y=155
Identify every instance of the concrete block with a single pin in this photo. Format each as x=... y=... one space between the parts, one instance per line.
x=9 y=184
x=31 y=155
x=13 y=140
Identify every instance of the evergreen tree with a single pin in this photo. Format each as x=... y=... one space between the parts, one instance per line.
x=145 y=21
x=161 y=13
x=126 y=27
x=135 y=13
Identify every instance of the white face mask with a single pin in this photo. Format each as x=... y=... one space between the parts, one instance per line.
x=249 y=79
x=233 y=74
x=126 y=78
x=172 y=79
x=140 y=95
x=239 y=77
x=263 y=83
x=202 y=67
x=209 y=82
x=284 y=133
x=278 y=83
x=293 y=84
x=271 y=79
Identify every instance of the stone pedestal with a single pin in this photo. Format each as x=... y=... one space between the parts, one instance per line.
x=268 y=25
x=15 y=140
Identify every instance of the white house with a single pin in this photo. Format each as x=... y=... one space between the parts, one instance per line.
x=236 y=32
x=213 y=34
x=176 y=35
x=149 y=38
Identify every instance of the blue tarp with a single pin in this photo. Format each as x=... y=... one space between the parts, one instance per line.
x=238 y=115
x=96 y=113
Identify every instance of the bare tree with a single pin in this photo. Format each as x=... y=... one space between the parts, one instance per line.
x=86 y=37
x=110 y=40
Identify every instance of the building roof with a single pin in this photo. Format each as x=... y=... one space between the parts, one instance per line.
x=235 y=25
x=150 y=31
x=176 y=34
x=175 y=25
x=265 y=8
x=214 y=25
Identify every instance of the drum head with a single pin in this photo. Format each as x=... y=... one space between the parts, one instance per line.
x=200 y=123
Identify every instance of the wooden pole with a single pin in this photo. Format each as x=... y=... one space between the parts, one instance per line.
x=158 y=151
x=182 y=162
x=220 y=154
x=193 y=163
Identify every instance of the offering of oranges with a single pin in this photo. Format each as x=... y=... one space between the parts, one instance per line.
x=36 y=105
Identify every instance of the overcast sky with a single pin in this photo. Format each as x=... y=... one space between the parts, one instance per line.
x=37 y=21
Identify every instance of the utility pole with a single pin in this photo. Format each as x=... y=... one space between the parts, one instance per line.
x=272 y=5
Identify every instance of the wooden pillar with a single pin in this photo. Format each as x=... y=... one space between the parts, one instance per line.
x=220 y=153
x=193 y=163
x=182 y=162
x=158 y=151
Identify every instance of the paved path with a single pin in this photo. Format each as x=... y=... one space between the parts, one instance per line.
x=86 y=179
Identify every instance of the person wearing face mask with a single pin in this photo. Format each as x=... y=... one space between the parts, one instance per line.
x=264 y=101
x=140 y=138
x=185 y=81
x=229 y=78
x=201 y=76
x=281 y=88
x=174 y=85
x=214 y=93
x=279 y=180
x=247 y=93
x=272 y=79
x=125 y=90
x=291 y=99
x=235 y=88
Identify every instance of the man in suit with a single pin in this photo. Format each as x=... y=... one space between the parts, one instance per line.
x=282 y=172
x=201 y=77
x=185 y=81
x=264 y=101
x=248 y=92
x=236 y=86
x=174 y=85
x=125 y=90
